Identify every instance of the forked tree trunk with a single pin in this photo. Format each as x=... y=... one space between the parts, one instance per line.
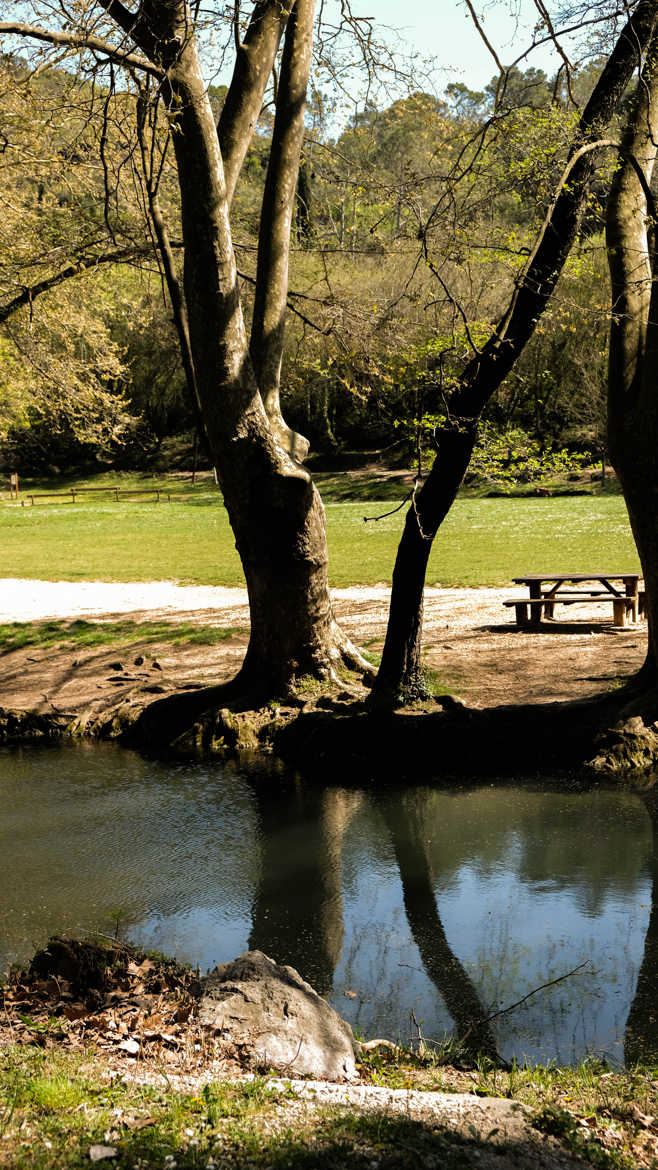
x=271 y=294
x=398 y=674
x=275 y=511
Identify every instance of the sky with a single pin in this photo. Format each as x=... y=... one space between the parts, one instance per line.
x=444 y=30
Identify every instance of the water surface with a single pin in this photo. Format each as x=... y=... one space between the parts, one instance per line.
x=452 y=905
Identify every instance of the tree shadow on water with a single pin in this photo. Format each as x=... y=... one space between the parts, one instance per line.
x=406 y=817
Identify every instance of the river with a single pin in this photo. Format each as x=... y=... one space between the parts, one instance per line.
x=409 y=908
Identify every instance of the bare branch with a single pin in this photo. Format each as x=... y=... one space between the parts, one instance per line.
x=80 y=42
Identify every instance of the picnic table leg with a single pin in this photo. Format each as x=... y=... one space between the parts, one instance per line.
x=619 y=611
x=632 y=606
x=535 y=595
x=631 y=586
x=521 y=611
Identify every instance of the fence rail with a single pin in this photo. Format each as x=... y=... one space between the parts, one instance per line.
x=70 y=496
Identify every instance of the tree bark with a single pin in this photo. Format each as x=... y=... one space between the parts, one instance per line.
x=276 y=222
x=487 y=369
x=632 y=399
x=274 y=509
x=244 y=100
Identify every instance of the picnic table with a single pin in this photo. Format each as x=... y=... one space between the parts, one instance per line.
x=546 y=590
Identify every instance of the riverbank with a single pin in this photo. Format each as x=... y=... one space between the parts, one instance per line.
x=87 y=658
x=107 y=1081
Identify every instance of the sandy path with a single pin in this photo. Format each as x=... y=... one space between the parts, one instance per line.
x=32 y=600
x=469 y=639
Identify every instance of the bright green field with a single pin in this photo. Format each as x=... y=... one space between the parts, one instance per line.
x=483 y=541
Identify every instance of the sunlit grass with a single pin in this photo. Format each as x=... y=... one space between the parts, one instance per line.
x=483 y=541
x=53 y=1109
x=22 y=635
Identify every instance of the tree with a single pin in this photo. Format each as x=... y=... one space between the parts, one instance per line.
x=274 y=509
x=632 y=403
x=489 y=364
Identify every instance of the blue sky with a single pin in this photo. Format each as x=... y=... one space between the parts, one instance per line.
x=443 y=29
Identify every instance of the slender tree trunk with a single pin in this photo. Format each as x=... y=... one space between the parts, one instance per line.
x=271 y=295
x=489 y=367
x=632 y=371
x=400 y=671
x=252 y=71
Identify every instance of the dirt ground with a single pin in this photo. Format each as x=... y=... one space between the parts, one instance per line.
x=471 y=641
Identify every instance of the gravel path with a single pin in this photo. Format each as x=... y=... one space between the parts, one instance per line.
x=25 y=600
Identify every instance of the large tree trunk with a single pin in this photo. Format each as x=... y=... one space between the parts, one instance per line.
x=487 y=369
x=274 y=509
x=632 y=372
x=275 y=512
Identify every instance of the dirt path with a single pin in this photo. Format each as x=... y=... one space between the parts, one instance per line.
x=470 y=641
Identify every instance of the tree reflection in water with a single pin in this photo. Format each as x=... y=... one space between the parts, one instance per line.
x=407 y=817
x=297 y=911
x=641 y=1037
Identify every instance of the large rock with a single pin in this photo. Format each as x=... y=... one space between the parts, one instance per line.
x=276 y=1020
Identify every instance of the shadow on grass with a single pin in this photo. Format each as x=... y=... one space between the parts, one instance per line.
x=220 y=1133
x=80 y=633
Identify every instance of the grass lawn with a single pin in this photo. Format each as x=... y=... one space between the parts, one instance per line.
x=483 y=541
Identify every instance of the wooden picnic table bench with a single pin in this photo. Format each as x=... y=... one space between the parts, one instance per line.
x=546 y=590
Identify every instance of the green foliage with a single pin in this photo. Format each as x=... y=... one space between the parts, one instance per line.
x=418 y=206
x=512 y=456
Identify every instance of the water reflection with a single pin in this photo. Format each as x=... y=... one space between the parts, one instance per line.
x=641 y=1039
x=298 y=904
x=407 y=820
x=450 y=903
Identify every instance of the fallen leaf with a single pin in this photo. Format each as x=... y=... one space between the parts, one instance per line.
x=130 y=1046
x=139 y=1122
x=74 y=1011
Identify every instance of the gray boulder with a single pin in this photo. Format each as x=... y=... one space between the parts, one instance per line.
x=276 y=1020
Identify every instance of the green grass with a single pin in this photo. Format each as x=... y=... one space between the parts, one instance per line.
x=54 y=1105
x=483 y=541
x=22 y=635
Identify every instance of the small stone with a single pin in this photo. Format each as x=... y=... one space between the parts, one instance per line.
x=98 y=1153
x=116 y=666
x=130 y=1046
x=155 y=665
x=139 y=660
